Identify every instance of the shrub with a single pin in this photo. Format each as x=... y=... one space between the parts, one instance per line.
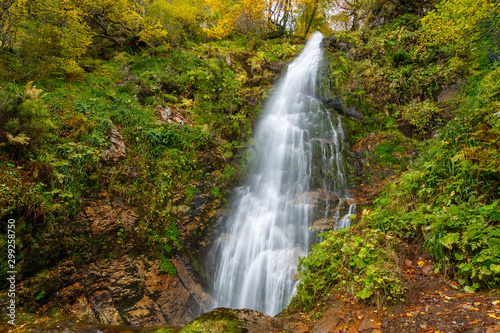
x=363 y=263
x=24 y=119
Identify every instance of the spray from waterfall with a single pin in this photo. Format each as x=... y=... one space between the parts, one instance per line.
x=297 y=185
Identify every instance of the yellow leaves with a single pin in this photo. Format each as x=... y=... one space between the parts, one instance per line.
x=31 y=91
x=71 y=68
x=459 y=21
x=69 y=27
x=246 y=16
x=222 y=28
x=64 y=22
x=20 y=139
x=153 y=32
x=166 y=20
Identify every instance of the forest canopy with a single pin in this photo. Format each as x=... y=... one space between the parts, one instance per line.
x=71 y=26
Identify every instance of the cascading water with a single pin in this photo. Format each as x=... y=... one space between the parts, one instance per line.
x=298 y=179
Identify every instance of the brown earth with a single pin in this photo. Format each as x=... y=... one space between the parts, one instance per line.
x=434 y=304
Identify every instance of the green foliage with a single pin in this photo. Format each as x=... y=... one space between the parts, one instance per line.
x=72 y=164
x=385 y=153
x=24 y=119
x=166 y=266
x=167 y=244
x=19 y=190
x=165 y=330
x=363 y=263
x=215 y=191
x=280 y=51
x=222 y=320
x=380 y=71
x=463 y=27
x=97 y=97
x=424 y=116
x=190 y=194
x=172 y=21
x=450 y=198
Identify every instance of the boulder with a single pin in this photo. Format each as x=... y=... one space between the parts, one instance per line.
x=233 y=320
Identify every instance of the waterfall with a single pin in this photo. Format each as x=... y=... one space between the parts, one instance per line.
x=297 y=181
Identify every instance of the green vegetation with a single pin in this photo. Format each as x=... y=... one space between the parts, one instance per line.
x=419 y=76
x=221 y=320
x=450 y=198
x=151 y=115
x=147 y=130
x=362 y=263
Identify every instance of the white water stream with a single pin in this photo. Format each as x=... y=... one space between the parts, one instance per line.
x=298 y=179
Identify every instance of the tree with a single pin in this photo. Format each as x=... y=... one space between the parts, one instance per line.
x=9 y=18
x=172 y=20
x=279 y=16
x=462 y=26
x=267 y=18
x=116 y=20
x=315 y=15
x=242 y=16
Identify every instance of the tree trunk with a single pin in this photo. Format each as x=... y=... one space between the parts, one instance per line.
x=308 y=26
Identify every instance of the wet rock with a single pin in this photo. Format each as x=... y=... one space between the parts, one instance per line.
x=336 y=104
x=407 y=129
x=117 y=150
x=44 y=325
x=230 y=320
x=127 y=290
x=105 y=218
x=83 y=307
x=275 y=67
x=494 y=55
x=333 y=103
x=102 y=304
x=313 y=197
x=145 y=311
x=298 y=327
x=333 y=43
x=325 y=325
x=353 y=113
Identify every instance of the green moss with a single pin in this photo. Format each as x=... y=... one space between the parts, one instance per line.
x=217 y=321
x=385 y=152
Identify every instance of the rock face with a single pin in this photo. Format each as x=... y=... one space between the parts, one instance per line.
x=110 y=284
x=167 y=114
x=117 y=149
x=336 y=104
x=131 y=291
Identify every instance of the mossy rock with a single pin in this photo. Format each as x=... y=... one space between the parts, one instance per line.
x=224 y=320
